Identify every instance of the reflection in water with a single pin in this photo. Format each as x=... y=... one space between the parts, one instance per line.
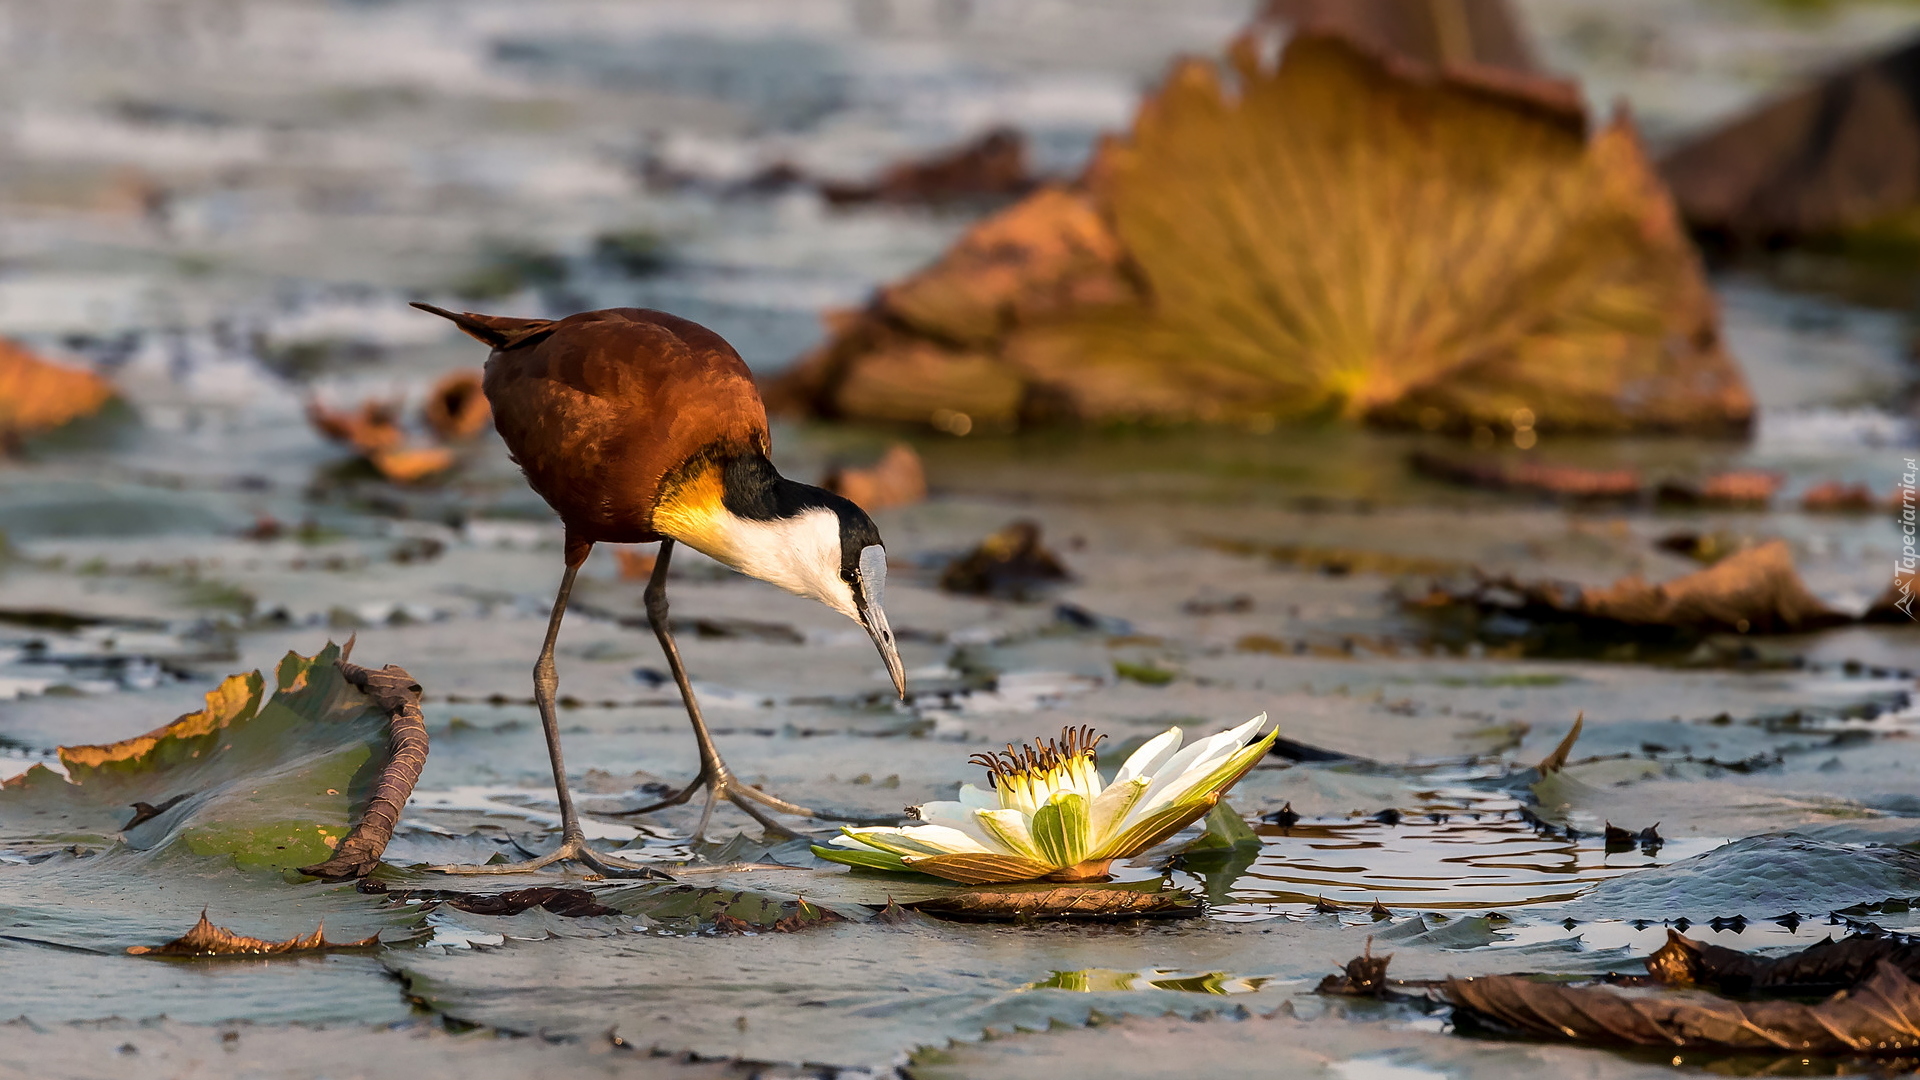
x=1094 y=980
x=1461 y=849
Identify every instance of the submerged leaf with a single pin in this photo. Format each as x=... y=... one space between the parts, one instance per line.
x=1011 y=903
x=206 y=939
x=1881 y=1016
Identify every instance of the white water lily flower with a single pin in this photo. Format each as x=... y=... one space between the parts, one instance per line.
x=1050 y=817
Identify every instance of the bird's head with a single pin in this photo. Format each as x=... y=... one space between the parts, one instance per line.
x=804 y=539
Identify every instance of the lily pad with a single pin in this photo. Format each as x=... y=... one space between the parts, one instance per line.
x=271 y=780
x=1760 y=877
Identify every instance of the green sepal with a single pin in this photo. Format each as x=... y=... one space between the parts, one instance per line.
x=1060 y=829
x=872 y=860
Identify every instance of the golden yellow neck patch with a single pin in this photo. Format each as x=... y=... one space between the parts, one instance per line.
x=692 y=513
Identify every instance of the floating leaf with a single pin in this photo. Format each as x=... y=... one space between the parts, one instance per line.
x=1881 y=1016
x=206 y=939
x=313 y=774
x=1014 y=903
x=568 y=903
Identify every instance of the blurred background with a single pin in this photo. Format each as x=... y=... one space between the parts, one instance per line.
x=1633 y=301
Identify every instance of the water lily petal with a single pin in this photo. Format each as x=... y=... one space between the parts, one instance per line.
x=868 y=857
x=1151 y=756
x=1153 y=828
x=1108 y=811
x=953 y=815
x=975 y=799
x=1060 y=829
x=917 y=839
x=1196 y=784
x=1009 y=829
x=1200 y=758
x=975 y=869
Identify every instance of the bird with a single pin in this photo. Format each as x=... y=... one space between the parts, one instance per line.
x=637 y=426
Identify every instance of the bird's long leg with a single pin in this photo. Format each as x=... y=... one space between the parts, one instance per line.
x=546 y=685
x=714 y=774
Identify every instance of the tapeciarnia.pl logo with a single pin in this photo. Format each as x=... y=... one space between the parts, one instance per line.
x=1903 y=570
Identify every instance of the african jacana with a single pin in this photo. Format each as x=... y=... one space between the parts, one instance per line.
x=636 y=426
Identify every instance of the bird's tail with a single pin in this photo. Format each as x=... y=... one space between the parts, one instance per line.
x=499 y=331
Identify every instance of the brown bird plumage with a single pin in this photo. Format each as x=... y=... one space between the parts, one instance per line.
x=636 y=426
x=598 y=408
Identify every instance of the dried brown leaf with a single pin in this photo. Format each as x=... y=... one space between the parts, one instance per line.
x=1881 y=1016
x=897 y=479
x=1752 y=591
x=411 y=464
x=1364 y=976
x=1557 y=760
x=1835 y=497
x=398 y=695
x=373 y=427
x=456 y=410
x=1820 y=968
x=1012 y=903
x=36 y=395
x=206 y=939
x=995 y=164
x=1531 y=476
x=1011 y=563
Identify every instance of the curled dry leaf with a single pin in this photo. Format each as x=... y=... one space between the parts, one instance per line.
x=1017 y=903
x=1010 y=563
x=1880 y=1016
x=1820 y=968
x=1815 y=162
x=398 y=696
x=991 y=166
x=1750 y=488
x=456 y=410
x=412 y=464
x=1533 y=477
x=373 y=427
x=1835 y=497
x=1344 y=233
x=1364 y=976
x=1754 y=591
x=374 y=431
x=897 y=479
x=206 y=939
x=36 y=395
x=1478 y=32
x=634 y=565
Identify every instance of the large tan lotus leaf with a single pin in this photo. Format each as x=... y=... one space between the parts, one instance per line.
x=1357 y=239
x=1050 y=252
